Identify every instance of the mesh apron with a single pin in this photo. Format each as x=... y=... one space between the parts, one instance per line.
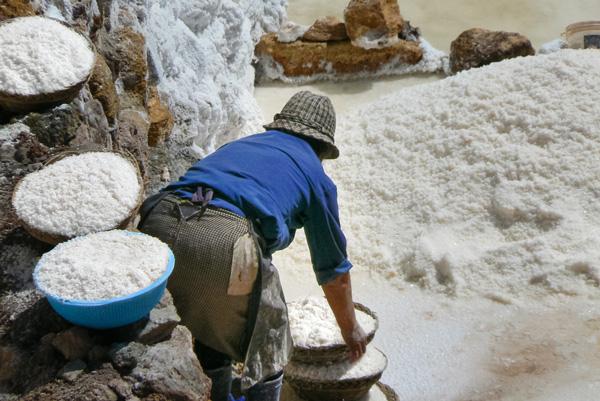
x=238 y=311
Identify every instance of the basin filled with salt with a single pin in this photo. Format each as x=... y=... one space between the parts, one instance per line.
x=43 y=62
x=106 y=279
x=77 y=194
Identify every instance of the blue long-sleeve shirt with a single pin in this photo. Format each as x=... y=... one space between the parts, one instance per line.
x=277 y=180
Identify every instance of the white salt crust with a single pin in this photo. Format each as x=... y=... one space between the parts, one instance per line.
x=485 y=182
x=102 y=266
x=291 y=32
x=39 y=55
x=79 y=194
x=372 y=363
x=313 y=324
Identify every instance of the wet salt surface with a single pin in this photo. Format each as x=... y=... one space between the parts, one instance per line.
x=474 y=349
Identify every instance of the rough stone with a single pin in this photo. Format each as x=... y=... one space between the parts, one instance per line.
x=125 y=357
x=41 y=363
x=373 y=19
x=125 y=52
x=478 y=47
x=132 y=135
x=171 y=368
x=15 y=8
x=310 y=58
x=326 y=29
x=72 y=370
x=162 y=321
x=98 y=355
x=123 y=390
x=161 y=119
x=73 y=343
x=80 y=122
x=10 y=358
x=102 y=88
x=32 y=319
x=93 y=386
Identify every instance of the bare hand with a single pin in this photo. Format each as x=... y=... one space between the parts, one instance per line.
x=356 y=340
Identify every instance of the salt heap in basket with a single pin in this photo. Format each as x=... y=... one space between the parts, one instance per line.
x=42 y=62
x=77 y=195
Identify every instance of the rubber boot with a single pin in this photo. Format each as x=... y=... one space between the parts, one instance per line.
x=221 y=382
x=269 y=390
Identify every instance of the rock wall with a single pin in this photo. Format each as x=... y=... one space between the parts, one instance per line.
x=173 y=81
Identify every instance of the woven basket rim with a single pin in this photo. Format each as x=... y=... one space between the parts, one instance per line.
x=336 y=351
x=388 y=392
x=335 y=383
x=17 y=101
x=54 y=239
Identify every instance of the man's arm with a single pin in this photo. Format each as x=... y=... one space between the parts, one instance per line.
x=339 y=295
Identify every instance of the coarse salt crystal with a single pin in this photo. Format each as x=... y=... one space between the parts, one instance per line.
x=102 y=266
x=313 y=324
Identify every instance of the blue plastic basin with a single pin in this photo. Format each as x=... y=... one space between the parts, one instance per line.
x=114 y=312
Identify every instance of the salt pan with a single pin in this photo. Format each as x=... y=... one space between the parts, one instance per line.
x=39 y=55
x=313 y=324
x=79 y=194
x=102 y=266
x=372 y=363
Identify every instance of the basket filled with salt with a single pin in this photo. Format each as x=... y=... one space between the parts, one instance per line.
x=78 y=192
x=337 y=381
x=105 y=280
x=315 y=333
x=43 y=62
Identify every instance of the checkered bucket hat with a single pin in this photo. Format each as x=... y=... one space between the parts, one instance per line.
x=309 y=115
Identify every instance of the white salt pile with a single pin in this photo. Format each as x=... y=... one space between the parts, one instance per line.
x=79 y=194
x=313 y=324
x=486 y=182
x=372 y=363
x=102 y=266
x=39 y=55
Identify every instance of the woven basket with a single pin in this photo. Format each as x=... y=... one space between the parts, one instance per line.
x=54 y=239
x=331 y=353
x=332 y=390
x=17 y=103
x=289 y=394
x=389 y=392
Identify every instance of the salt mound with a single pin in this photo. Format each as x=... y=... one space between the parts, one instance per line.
x=372 y=363
x=102 y=266
x=39 y=55
x=79 y=194
x=313 y=324
x=486 y=182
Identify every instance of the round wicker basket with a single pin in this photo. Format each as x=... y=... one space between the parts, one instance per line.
x=17 y=103
x=332 y=389
x=53 y=239
x=331 y=353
